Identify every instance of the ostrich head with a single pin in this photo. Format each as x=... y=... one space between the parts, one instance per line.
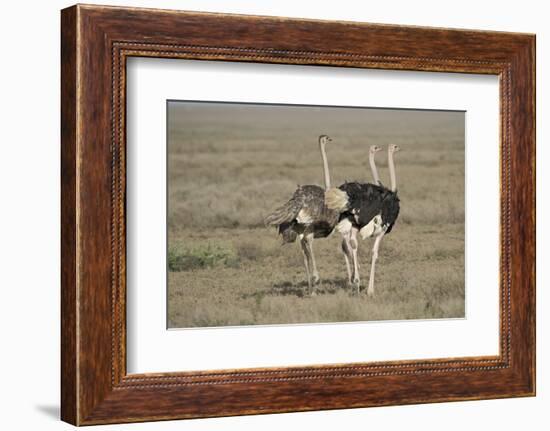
x=394 y=148
x=374 y=149
x=323 y=139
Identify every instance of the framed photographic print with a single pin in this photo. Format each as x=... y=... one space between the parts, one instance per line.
x=264 y=215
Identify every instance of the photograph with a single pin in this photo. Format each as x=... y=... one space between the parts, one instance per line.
x=300 y=214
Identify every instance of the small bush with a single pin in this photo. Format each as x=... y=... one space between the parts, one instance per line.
x=198 y=258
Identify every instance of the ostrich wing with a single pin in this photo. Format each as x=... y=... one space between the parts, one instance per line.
x=313 y=205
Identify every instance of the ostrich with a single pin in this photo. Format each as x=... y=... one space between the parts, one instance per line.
x=368 y=209
x=349 y=231
x=306 y=217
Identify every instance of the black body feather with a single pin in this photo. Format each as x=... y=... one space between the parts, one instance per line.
x=366 y=201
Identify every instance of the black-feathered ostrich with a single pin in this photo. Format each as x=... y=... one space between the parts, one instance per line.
x=305 y=216
x=349 y=230
x=368 y=209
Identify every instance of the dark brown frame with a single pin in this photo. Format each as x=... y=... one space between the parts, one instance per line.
x=95 y=43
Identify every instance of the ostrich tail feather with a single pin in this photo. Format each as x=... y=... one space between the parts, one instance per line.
x=336 y=199
x=283 y=214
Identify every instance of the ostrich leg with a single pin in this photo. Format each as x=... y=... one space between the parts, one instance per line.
x=370 y=289
x=314 y=273
x=307 y=258
x=347 y=255
x=354 y=245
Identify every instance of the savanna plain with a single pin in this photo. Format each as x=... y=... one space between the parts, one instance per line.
x=229 y=165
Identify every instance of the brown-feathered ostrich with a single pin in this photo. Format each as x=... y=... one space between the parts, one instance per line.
x=305 y=216
x=368 y=209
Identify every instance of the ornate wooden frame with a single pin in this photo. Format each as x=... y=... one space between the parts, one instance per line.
x=95 y=42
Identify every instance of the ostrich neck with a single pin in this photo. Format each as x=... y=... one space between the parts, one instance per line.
x=325 y=166
x=393 y=182
x=373 y=169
